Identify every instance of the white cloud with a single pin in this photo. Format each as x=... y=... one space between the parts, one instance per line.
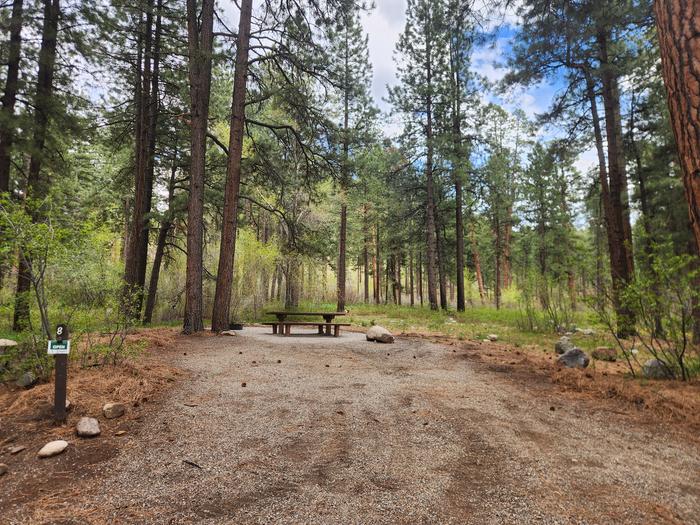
x=487 y=61
x=383 y=26
x=586 y=161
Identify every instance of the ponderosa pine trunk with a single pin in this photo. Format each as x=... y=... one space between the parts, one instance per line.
x=430 y=226
x=456 y=49
x=344 y=178
x=9 y=97
x=163 y=231
x=678 y=27
x=477 y=264
x=420 y=277
x=340 y=285
x=442 y=273
x=377 y=263
x=397 y=278
x=365 y=252
x=200 y=38
x=621 y=260
x=280 y=277
x=459 y=231
x=151 y=135
x=506 y=277
x=38 y=185
x=137 y=249
x=224 y=276
x=497 y=262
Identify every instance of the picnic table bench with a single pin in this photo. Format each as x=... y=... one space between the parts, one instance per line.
x=283 y=325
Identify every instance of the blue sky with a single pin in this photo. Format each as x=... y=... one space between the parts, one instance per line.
x=383 y=26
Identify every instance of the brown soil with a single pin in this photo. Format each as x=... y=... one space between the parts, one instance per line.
x=675 y=402
x=345 y=431
x=26 y=419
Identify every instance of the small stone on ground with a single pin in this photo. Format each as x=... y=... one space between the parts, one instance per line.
x=88 y=427
x=53 y=448
x=574 y=358
x=657 y=369
x=563 y=345
x=379 y=334
x=113 y=410
x=26 y=380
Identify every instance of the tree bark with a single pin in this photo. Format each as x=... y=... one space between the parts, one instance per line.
x=377 y=269
x=38 y=185
x=397 y=278
x=477 y=265
x=280 y=276
x=9 y=97
x=430 y=226
x=151 y=135
x=136 y=250
x=165 y=227
x=459 y=231
x=621 y=261
x=410 y=284
x=442 y=273
x=224 y=277
x=200 y=37
x=497 y=261
x=365 y=253
x=507 y=236
x=340 y=285
x=344 y=176
x=678 y=27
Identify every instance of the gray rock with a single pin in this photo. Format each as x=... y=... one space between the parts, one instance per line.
x=6 y=343
x=604 y=353
x=657 y=369
x=88 y=427
x=26 y=380
x=113 y=410
x=16 y=449
x=379 y=334
x=3 y=469
x=492 y=337
x=588 y=331
x=53 y=448
x=574 y=358
x=563 y=345
x=228 y=332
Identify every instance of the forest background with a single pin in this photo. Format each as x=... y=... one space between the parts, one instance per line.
x=190 y=161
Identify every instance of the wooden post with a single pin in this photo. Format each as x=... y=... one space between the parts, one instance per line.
x=61 y=386
x=61 y=376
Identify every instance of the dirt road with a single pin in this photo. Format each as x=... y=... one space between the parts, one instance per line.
x=344 y=431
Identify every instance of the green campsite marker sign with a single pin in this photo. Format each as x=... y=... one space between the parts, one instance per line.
x=59 y=347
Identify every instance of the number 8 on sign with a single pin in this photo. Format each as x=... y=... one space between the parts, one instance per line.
x=62 y=332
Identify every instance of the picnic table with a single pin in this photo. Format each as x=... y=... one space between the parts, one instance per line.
x=283 y=324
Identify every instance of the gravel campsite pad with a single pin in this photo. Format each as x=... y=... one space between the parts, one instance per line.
x=309 y=429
